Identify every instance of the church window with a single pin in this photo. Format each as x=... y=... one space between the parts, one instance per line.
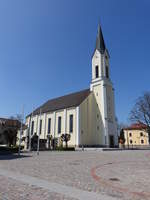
x=97 y=116
x=49 y=126
x=97 y=94
x=130 y=134
x=40 y=126
x=97 y=127
x=59 y=124
x=71 y=124
x=107 y=72
x=96 y=72
x=32 y=127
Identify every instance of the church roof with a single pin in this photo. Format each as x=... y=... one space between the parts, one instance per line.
x=67 y=101
x=100 y=44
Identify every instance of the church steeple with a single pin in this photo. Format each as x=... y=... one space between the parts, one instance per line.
x=100 y=44
x=102 y=89
x=100 y=59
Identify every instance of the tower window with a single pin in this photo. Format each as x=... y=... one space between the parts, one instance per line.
x=96 y=72
x=107 y=72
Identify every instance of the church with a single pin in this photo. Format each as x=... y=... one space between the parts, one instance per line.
x=88 y=116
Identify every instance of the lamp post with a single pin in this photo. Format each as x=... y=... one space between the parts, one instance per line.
x=20 y=133
x=38 y=142
x=30 y=129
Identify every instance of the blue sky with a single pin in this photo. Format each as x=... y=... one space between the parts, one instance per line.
x=46 y=48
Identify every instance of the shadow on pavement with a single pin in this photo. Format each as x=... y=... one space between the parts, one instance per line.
x=13 y=156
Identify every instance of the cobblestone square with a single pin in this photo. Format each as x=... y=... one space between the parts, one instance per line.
x=71 y=175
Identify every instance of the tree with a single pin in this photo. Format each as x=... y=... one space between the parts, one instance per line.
x=141 y=111
x=11 y=136
x=65 y=138
x=17 y=117
x=8 y=131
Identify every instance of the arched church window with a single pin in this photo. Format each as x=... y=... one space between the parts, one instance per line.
x=32 y=127
x=96 y=72
x=107 y=72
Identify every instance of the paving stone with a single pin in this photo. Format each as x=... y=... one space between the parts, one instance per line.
x=120 y=174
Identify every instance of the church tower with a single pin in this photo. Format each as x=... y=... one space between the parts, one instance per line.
x=103 y=91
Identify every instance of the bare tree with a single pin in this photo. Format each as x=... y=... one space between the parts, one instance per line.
x=121 y=126
x=16 y=117
x=65 y=138
x=141 y=111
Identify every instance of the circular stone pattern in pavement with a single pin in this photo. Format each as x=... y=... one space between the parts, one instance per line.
x=127 y=177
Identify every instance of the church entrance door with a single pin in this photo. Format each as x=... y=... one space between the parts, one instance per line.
x=111 y=140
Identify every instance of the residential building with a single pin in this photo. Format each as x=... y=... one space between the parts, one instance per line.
x=136 y=135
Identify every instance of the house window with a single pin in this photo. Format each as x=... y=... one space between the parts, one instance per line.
x=49 y=126
x=40 y=126
x=59 y=124
x=142 y=141
x=71 y=124
x=107 y=72
x=130 y=134
x=130 y=141
x=32 y=127
x=96 y=72
x=141 y=134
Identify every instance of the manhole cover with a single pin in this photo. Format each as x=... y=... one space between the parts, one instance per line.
x=109 y=163
x=114 y=179
x=74 y=163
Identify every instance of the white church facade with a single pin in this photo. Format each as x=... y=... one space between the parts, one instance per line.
x=88 y=115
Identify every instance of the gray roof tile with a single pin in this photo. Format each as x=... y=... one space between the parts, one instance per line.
x=67 y=101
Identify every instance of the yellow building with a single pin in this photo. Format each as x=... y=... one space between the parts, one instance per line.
x=136 y=135
x=88 y=115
